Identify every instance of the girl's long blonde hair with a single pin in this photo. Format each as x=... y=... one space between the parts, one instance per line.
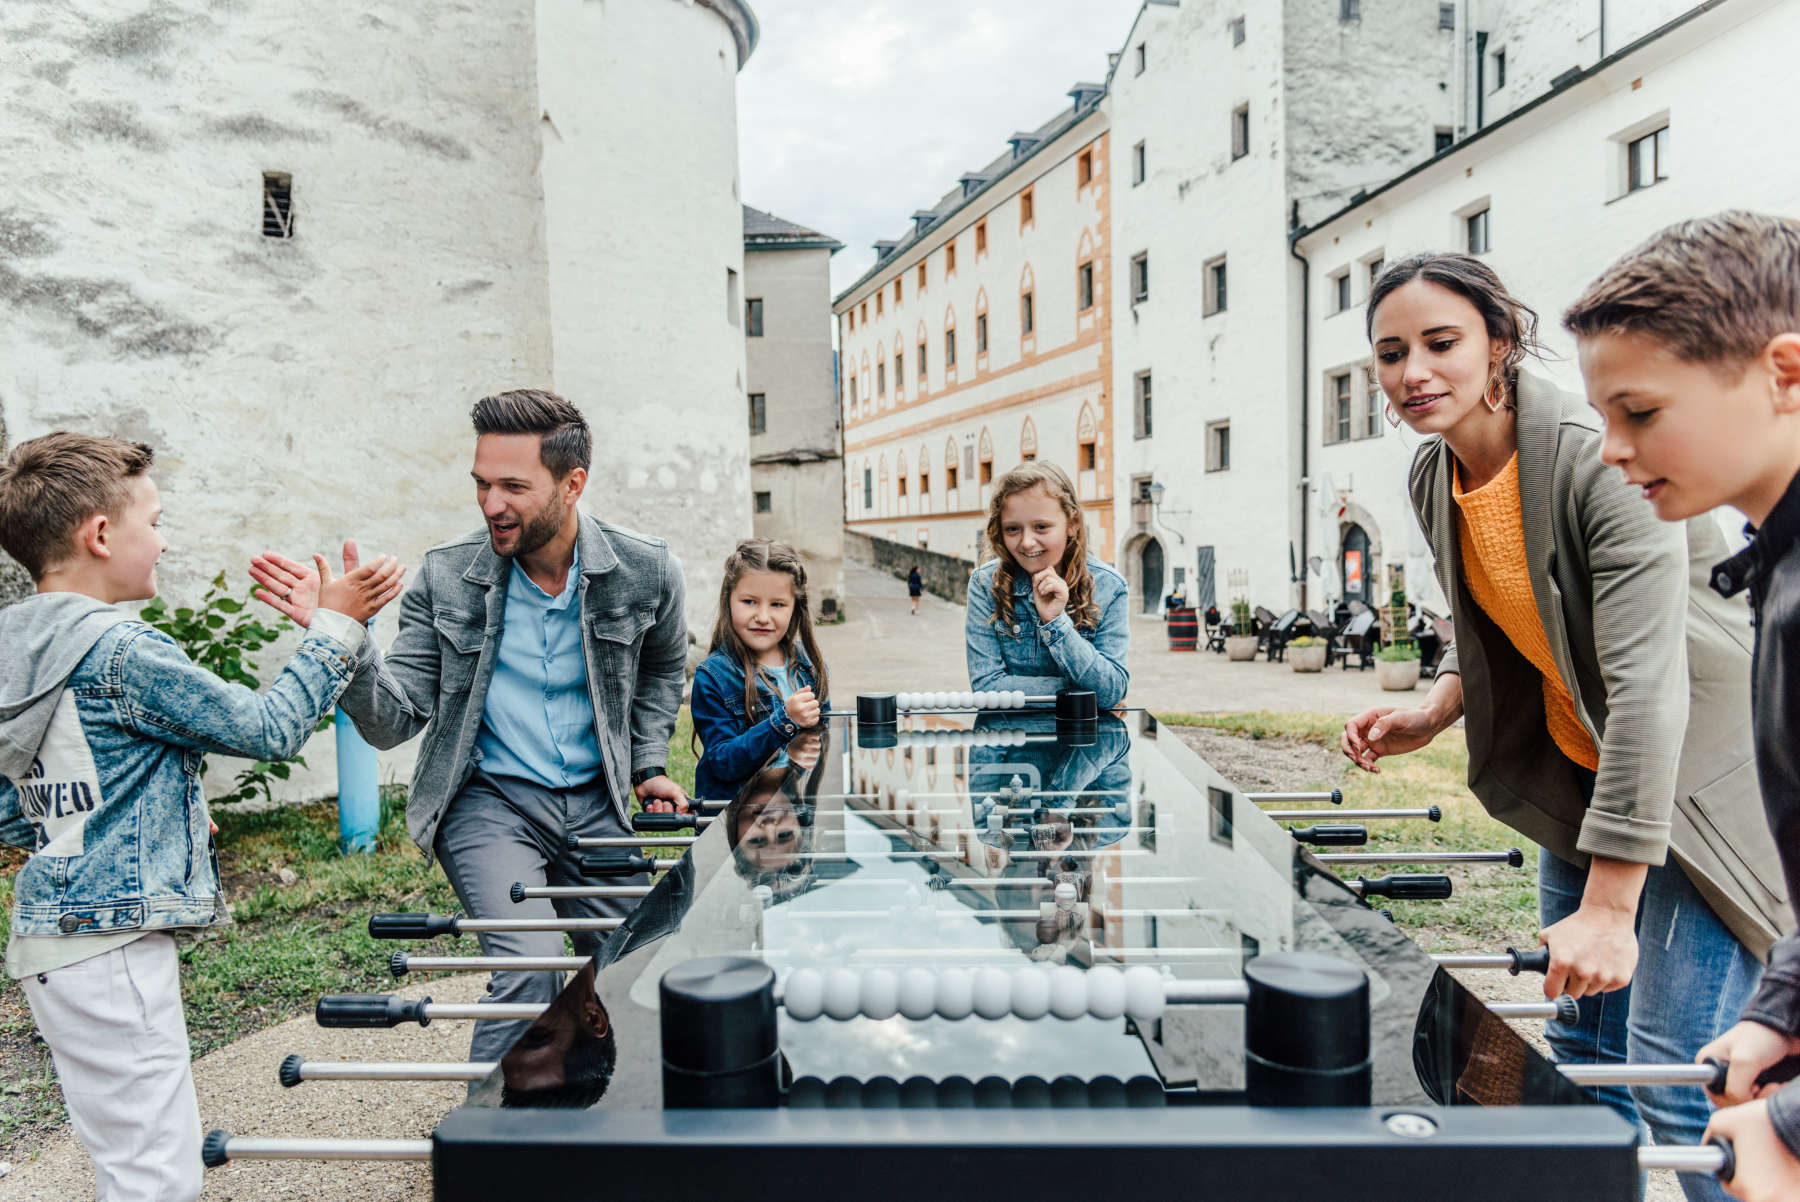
x=766 y=555
x=1073 y=569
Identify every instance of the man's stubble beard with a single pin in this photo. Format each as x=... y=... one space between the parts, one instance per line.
x=534 y=531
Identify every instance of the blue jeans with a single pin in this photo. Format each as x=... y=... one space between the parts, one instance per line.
x=1693 y=978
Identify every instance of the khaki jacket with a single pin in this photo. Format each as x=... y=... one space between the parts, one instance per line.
x=1657 y=662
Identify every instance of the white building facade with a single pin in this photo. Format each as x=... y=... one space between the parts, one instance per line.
x=1550 y=195
x=290 y=251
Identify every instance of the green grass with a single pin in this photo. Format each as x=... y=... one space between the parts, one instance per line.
x=1493 y=905
x=286 y=945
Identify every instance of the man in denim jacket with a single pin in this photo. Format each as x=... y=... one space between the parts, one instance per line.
x=103 y=725
x=544 y=658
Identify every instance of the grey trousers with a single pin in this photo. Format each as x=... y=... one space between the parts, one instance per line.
x=500 y=829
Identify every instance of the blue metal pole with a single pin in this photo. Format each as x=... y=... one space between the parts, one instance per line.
x=359 y=789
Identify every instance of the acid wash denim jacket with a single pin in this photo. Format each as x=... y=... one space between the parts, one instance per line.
x=734 y=746
x=103 y=724
x=1040 y=659
x=435 y=676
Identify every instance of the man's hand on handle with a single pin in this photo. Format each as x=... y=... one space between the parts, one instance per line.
x=661 y=795
x=1750 y=1049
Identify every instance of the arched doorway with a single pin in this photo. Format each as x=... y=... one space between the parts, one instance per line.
x=1150 y=575
x=1354 y=566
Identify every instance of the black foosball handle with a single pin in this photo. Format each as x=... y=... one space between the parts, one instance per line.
x=1408 y=886
x=412 y=926
x=1535 y=960
x=212 y=1152
x=1331 y=834
x=645 y=820
x=290 y=1070
x=369 y=1010
x=613 y=863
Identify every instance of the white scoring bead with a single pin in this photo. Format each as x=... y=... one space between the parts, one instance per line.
x=1031 y=992
x=966 y=700
x=940 y=701
x=843 y=994
x=955 y=994
x=880 y=993
x=1105 y=992
x=1068 y=991
x=903 y=700
x=992 y=994
x=979 y=699
x=918 y=993
x=1144 y=996
x=1065 y=892
x=804 y=996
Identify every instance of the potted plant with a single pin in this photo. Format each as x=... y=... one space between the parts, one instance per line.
x=1240 y=644
x=1397 y=667
x=1307 y=653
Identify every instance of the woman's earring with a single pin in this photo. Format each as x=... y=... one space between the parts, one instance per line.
x=1494 y=398
x=1393 y=418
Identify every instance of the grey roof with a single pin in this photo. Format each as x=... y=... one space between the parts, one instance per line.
x=974 y=183
x=765 y=231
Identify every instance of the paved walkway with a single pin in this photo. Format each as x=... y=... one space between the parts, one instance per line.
x=880 y=647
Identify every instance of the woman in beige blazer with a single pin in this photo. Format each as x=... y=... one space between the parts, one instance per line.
x=1604 y=688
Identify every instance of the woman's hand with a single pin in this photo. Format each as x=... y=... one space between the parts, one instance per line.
x=1050 y=593
x=803 y=708
x=1386 y=730
x=1750 y=1048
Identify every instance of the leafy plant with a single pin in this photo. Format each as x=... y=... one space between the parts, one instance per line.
x=1240 y=615
x=1395 y=653
x=220 y=634
x=1306 y=640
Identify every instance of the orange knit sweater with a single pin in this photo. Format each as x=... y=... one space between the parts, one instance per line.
x=1492 y=538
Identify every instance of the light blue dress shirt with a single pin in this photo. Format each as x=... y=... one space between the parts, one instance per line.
x=538 y=721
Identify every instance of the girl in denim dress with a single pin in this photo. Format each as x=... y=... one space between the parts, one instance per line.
x=1044 y=614
x=764 y=680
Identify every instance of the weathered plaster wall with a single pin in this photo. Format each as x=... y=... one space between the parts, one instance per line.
x=790 y=364
x=14 y=583
x=638 y=116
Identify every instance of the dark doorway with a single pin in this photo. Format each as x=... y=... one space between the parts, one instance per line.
x=1152 y=559
x=1354 y=568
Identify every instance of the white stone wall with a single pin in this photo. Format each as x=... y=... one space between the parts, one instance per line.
x=302 y=390
x=791 y=365
x=1549 y=242
x=1022 y=393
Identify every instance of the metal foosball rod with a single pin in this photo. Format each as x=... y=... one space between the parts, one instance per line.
x=1512 y=959
x=1709 y=1074
x=1513 y=857
x=400 y=963
x=427 y=926
x=1430 y=814
x=391 y=1010
x=650 y=841
x=295 y=1069
x=1562 y=1010
x=1335 y=797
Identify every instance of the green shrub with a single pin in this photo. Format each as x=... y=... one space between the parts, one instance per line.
x=1306 y=640
x=1395 y=653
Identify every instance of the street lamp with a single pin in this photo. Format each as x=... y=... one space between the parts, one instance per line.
x=1157 y=491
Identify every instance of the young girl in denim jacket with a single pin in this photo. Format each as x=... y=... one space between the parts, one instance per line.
x=1043 y=613
x=764 y=680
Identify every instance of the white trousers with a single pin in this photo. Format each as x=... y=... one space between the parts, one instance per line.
x=119 y=1038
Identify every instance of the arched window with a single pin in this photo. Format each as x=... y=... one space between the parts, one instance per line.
x=881 y=374
x=899 y=366
x=1087 y=453
x=949 y=343
x=882 y=504
x=984 y=456
x=921 y=368
x=924 y=479
x=900 y=482
x=952 y=473
x=868 y=396
x=1028 y=446
x=1087 y=283
x=1028 y=314
x=981 y=328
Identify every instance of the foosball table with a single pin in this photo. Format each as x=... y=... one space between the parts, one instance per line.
x=979 y=943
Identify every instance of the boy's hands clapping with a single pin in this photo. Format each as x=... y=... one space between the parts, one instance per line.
x=803 y=708
x=1050 y=593
x=362 y=593
x=293 y=587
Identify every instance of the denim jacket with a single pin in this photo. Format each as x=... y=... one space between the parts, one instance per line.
x=104 y=784
x=1041 y=659
x=735 y=747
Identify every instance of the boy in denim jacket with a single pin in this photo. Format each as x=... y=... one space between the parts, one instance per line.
x=103 y=724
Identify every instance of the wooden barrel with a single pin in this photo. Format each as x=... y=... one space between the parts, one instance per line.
x=1184 y=629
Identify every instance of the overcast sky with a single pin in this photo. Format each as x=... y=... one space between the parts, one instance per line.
x=850 y=116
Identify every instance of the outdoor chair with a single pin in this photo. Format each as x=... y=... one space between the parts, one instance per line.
x=1284 y=628
x=1323 y=627
x=1215 y=629
x=1359 y=638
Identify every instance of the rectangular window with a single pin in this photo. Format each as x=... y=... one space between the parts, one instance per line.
x=1375 y=266
x=949 y=258
x=920 y=286
x=1140 y=276
x=753 y=317
x=1442 y=139
x=1340 y=291
x=900 y=483
x=881 y=379
x=987 y=471
x=1086 y=457
x=1337 y=409
x=278 y=205
x=1218 y=447
x=1240 y=131
x=1084 y=169
x=852 y=392
x=1446 y=16
x=1647 y=160
x=759 y=415
x=924 y=484
x=1025 y=208
x=1084 y=287
x=897 y=297
x=1213 y=300
x=921 y=363
x=734 y=308
x=878 y=299
x=1138 y=161
x=1372 y=402
x=1349 y=10
x=868 y=488
x=949 y=476
x=981 y=237
x=949 y=348
x=865 y=312
x=1237 y=31
x=1479 y=235
x=1141 y=424
x=1026 y=324
x=899 y=371
x=762 y=503
x=1499 y=69
x=853 y=321
x=1142 y=59
x=981 y=333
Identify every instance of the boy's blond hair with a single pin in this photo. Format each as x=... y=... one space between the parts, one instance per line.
x=1713 y=290
x=50 y=485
